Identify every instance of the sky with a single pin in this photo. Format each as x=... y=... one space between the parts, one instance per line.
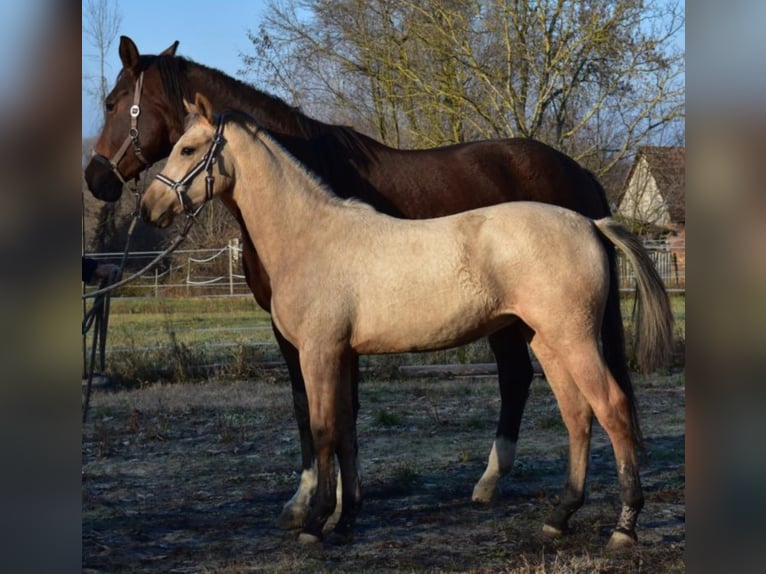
x=211 y=33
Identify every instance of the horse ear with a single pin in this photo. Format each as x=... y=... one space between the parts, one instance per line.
x=189 y=107
x=128 y=53
x=203 y=107
x=170 y=50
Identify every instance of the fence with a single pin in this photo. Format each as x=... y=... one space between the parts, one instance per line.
x=206 y=272
x=670 y=262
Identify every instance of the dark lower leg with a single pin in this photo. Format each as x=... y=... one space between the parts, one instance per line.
x=294 y=512
x=514 y=374
x=351 y=493
x=300 y=401
x=632 y=498
x=570 y=500
x=348 y=458
x=323 y=503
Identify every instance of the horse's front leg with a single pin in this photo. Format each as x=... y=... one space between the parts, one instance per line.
x=331 y=398
x=296 y=509
x=347 y=450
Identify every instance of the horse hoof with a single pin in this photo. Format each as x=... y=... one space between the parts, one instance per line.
x=621 y=541
x=306 y=538
x=552 y=531
x=291 y=519
x=484 y=494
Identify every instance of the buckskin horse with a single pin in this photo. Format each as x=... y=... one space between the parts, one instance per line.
x=347 y=280
x=144 y=117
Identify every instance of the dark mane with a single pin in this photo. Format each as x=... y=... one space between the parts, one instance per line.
x=268 y=110
x=253 y=127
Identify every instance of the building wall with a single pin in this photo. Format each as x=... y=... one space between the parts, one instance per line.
x=642 y=200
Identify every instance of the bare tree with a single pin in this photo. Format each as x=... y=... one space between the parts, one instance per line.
x=101 y=24
x=594 y=78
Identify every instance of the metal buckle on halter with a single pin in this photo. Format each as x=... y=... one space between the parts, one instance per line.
x=134 y=111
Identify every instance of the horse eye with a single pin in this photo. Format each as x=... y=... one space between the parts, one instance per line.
x=109 y=105
x=187 y=151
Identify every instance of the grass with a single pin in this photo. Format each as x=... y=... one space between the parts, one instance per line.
x=197 y=338
x=387 y=419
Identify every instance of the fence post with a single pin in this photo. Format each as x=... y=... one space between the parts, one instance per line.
x=231 y=268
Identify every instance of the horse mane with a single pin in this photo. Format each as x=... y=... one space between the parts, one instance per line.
x=323 y=190
x=268 y=110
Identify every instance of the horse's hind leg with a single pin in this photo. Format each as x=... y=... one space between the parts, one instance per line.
x=578 y=418
x=612 y=409
x=514 y=374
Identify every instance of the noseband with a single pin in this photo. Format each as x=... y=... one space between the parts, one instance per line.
x=205 y=164
x=131 y=138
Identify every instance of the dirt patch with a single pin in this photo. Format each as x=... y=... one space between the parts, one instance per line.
x=191 y=478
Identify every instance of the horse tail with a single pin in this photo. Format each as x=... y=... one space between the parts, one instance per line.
x=612 y=328
x=653 y=318
x=653 y=337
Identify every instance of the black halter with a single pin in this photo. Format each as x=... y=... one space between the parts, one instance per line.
x=131 y=138
x=205 y=164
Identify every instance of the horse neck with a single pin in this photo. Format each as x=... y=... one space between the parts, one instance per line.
x=282 y=206
x=225 y=92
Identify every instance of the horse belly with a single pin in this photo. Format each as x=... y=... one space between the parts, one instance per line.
x=423 y=319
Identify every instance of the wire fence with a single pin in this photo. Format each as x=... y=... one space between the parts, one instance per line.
x=218 y=271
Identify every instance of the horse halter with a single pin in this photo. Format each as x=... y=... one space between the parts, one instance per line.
x=205 y=164
x=131 y=138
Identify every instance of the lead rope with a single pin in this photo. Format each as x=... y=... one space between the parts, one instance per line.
x=98 y=314
x=97 y=317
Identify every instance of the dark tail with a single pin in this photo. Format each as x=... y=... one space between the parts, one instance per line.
x=653 y=338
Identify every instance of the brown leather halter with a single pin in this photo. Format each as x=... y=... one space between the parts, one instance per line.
x=131 y=138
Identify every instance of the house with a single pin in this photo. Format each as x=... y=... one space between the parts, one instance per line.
x=654 y=191
x=653 y=201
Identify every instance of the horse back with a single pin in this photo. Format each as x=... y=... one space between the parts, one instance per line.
x=441 y=181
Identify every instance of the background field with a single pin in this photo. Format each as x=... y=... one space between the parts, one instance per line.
x=197 y=338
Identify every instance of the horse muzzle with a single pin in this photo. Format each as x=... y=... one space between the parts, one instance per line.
x=102 y=182
x=155 y=211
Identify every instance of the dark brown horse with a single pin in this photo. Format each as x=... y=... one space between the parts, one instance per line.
x=145 y=117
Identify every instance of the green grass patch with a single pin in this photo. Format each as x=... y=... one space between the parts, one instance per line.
x=197 y=338
x=387 y=419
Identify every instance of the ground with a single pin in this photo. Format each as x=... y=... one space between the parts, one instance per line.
x=191 y=478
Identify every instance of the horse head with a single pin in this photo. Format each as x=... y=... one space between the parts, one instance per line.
x=137 y=128
x=178 y=189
